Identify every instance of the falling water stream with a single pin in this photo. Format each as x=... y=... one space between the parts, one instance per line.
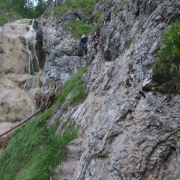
x=34 y=48
x=31 y=64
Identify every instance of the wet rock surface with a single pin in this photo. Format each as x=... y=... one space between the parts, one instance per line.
x=17 y=99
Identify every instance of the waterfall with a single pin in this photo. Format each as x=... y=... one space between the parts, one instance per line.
x=34 y=48
x=32 y=26
x=35 y=80
x=24 y=88
x=31 y=66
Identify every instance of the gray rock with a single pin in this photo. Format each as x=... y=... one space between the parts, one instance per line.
x=125 y=136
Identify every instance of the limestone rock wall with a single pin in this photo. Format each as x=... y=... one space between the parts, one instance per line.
x=123 y=135
x=64 y=56
x=17 y=87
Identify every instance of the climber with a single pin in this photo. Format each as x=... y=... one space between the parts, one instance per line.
x=83 y=40
x=95 y=45
x=95 y=36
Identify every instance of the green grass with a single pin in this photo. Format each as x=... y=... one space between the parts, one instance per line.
x=86 y=6
x=1 y=51
x=45 y=42
x=166 y=70
x=97 y=15
x=78 y=28
x=40 y=83
x=73 y=86
x=129 y=42
x=98 y=23
x=119 y=5
x=35 y=150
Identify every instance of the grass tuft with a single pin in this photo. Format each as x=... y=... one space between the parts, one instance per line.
x=166 y=70
x=98 y=23
x=74 y=87
x=86 y=6
x=35 y=150
x=78 y=28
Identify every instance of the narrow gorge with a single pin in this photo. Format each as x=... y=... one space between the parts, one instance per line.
x=112 y=118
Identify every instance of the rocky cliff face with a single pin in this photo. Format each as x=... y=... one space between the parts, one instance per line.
x=122 y=134
x=64 y=57
x=18 y=72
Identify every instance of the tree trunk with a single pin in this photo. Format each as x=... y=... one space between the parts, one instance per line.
x=21 y=122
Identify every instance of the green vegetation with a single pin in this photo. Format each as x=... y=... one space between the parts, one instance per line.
x=9 y=71
x=119 y=5
x=129 y=42
x=127 y=81
x=1 y=51
x=11 y=10
x=11 y=16
x=40 y=83
x=78 y=28
x=166 y=70
x=73 y=86
x=98 y=23
x=87 y=7
x=45 y=42
x=163 y=1
x=34 y=150
x=97 y=15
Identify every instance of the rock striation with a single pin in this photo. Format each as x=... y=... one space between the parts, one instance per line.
x=123 y=135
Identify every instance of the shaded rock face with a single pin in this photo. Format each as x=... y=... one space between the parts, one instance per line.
x=125 y=136
x=64 y=56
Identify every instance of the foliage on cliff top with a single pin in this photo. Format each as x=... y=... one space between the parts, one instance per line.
x=78 y=28
x=34 y=150
x=166 y=70
x=73 y=86
x=11 y=10
x=86 y=6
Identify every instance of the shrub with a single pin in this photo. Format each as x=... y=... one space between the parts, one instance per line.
x=1 y=51
x=78 y=28
x=86 y=6
x=166 y=70
x=40 y=83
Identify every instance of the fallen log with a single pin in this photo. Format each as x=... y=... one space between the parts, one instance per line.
x=43 y=102
x=21 y=122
